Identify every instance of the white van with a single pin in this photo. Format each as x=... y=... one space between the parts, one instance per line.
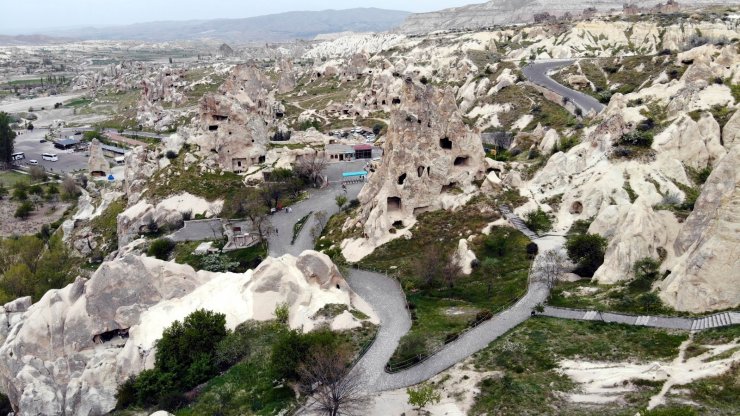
x=51 y=157
x=18 y=156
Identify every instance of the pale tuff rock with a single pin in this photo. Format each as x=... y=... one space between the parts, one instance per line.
x=705 y=275
x=696 y=144
x=287 y=80
x=232 y=128
x=97 y=164
x=68 y=353
x=731 y=132
x=465 y=257
x=163 y=87
x=431 y=160
x=233 y=137
x=144 y=217
x=140 y=164
x=638 y=233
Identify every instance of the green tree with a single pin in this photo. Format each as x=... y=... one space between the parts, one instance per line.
x=24 y=210
x=538 y=221
x=646 y=272
x=423 y=395
x=7 y=141
x=587 y=251
x=341 y=200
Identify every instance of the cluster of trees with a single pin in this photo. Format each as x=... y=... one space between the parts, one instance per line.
x=32 y=265
x=31 y=196
x=7 y=141
x=587 y=252
x=195 y=350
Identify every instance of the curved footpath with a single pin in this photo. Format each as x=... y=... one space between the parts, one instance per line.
x=537 y=72
x=384 y=294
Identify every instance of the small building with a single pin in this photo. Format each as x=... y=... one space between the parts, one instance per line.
x=340 y=153
x=113 y=151
x=66 y=144
x=363 y=151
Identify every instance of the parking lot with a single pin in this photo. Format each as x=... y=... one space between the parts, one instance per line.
x=29 y=143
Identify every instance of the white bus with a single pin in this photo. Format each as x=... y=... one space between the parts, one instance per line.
x=52 y=157
x=19 y=156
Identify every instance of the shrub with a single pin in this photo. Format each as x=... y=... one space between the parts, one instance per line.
x=636 y=138
x=24 y=210
x=587 y=251
x=646 y=272
x=37 y=173
x=292 y=348
x=161 y=248
x=411 y=348
x=282 y=313
x=171 y=154
x=538 y=221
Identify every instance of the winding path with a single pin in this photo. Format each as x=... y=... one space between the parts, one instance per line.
x=384 y=294
x=537 y=72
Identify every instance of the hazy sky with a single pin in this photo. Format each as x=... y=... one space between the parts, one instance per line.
x=27 y=16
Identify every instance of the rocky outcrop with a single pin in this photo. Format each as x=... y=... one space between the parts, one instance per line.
x=231 y=136
x=97 y=164
x=695 y=143
x=705 y=275
x=66 y=354
x=144 y=218
x=287 y=80
x=139 y=165
x=503 y=12
x=431 y=159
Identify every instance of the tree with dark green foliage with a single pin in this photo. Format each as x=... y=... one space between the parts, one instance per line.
x=587 y=251
x=186 y=357
x=292 y=348
x=7 y=141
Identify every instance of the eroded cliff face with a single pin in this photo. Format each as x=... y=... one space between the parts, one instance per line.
x=629 y=200
x=67 y=354
x=705 y=275
x=431 y=159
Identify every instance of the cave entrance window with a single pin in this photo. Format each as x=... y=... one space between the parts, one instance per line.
x=220 y=118
x=394 y=204
x=396 y=101
x=576 y=208
x=261 y=159
x=445 y=143
x=212 y=128
x=420 y=171
x=398 y=225
x=402 y=179
x=462 y=161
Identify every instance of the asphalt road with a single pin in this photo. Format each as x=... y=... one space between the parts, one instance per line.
x=537 y=73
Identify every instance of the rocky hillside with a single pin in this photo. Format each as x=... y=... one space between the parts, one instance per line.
x=504 y=12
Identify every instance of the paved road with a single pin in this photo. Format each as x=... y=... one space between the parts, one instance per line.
x=537 y=73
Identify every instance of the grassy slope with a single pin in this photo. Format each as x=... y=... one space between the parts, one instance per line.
x=528 y=356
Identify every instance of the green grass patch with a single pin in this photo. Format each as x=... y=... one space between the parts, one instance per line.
x=105 y=227
x=10 y=178
x=613 y=298
x=237 y=261
x=528 y=356
x=441 y=312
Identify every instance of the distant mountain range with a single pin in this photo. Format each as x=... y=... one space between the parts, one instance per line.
x=503 y=12
x=270 y=28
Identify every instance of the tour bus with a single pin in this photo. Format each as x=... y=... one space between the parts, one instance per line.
x=52 y=157
x=19 y=156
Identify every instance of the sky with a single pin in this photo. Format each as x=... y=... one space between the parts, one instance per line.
x=31 y=16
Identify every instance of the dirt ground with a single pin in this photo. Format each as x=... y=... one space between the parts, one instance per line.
x=46 y=214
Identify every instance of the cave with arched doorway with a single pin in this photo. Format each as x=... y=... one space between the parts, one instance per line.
x=576 y=208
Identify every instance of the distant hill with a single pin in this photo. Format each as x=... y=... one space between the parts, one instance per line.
x=502 y=12
x=276 y=27
x=21 y=40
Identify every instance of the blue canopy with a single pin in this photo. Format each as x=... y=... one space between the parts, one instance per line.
x=353 y=174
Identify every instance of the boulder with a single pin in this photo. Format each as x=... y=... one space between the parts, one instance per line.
x=695 y=143
x=465 y=257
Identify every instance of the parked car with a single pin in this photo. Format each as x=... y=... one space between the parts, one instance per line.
x=33 y=162
x=42 y=141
